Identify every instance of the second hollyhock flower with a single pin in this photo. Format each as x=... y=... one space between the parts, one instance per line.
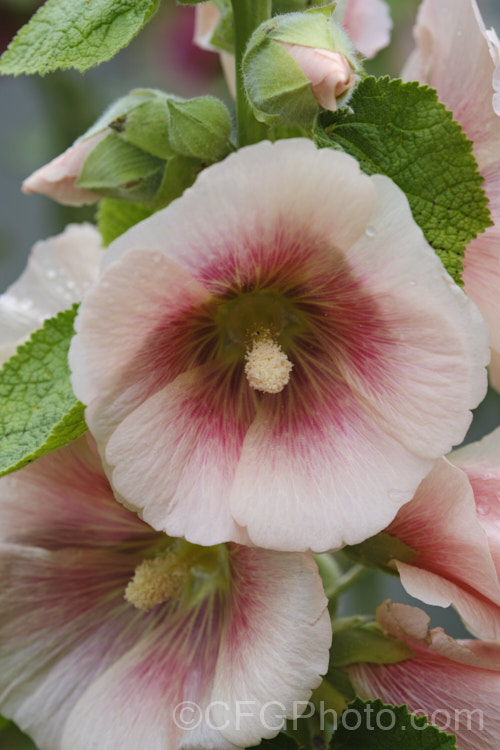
x=116 y=636
x=278 y=355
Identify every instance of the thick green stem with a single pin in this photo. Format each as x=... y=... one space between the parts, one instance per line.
x=247 y=15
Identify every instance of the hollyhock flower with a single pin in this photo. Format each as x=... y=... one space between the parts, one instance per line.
x=58 y=272
x=455 y=683
x=267 y=357
x=57 y=178
x=114 y=635
x=458 y=57
x=452 y=524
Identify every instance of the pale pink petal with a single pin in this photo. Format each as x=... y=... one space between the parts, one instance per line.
x=481 y=462
x=159 y=295
x=199 y=438
x=454 y=564
x=411 y=625
x=65 y=621
x=133 y=703
x=257 y=668
x=369 y=24
x=298 y=484
x=35 y=510
x=57 y=178
x=412 y=299
x=58 y=272
x=228 y=66
x=456 y=684
x=206 y=18
x=480 y=613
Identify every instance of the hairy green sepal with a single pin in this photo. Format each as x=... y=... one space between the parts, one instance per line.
x=38 y=410
x=401 y=130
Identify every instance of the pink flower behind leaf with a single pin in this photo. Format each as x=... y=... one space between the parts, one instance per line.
x=455 y=683
x=382 y=356
x=368 y=23
x=458 y=57
x=58 y=272
x=57 y=178
x=106 y=625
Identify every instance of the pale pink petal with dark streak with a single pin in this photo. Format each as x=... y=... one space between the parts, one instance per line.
x=255 y=665
x=454 y=564
x=481 y=462
x=201 y=440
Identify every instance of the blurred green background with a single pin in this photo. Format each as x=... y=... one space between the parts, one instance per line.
x=40 y=117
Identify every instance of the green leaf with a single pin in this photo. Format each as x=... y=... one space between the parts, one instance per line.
x=38 y=410
x=367 y=725
x=115 y=217
x=75 y=34
x=403 y=131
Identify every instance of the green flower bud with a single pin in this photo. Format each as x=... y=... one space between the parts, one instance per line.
x=146 y=148
x=295 y=63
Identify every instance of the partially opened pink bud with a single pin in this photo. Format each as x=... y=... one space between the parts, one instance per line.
x=57 y=178
x=329 y=72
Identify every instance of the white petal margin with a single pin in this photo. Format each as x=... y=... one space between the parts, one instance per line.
x=275 y=647
x=58 y=273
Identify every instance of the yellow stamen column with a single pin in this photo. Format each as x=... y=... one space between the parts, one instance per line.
x=156 y=581
x=267 y=366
